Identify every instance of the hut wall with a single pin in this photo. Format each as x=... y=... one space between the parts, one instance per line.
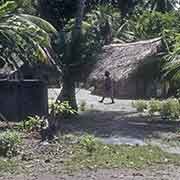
x=19 y=99
x=124 y=89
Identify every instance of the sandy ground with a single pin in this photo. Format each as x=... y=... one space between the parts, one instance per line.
x=115 y=124
x=159 y=173
x=119 y=123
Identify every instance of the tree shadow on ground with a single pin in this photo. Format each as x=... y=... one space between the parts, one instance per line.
x=118 y=124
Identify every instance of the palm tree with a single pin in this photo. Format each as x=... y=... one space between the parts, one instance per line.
x=24 y=38
x=162 y=5
x=70 y=55
x=171 y=68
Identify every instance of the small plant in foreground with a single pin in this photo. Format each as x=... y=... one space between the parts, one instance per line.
x=61 y=108
x=154 y=106
x=140 y=105
x=9 y=141
x=89 y=143
x=30 y=124
x=170 y=109
x=7 y=166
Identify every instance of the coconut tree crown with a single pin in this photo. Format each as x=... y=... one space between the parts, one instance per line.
x=24 y=38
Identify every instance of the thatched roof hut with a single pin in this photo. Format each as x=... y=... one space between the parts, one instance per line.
x=125 y=62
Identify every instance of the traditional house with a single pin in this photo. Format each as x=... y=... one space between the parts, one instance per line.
x=134 y=68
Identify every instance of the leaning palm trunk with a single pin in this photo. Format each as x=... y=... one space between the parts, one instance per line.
x=68 y=90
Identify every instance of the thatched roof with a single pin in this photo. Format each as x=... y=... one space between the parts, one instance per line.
x=123 y=59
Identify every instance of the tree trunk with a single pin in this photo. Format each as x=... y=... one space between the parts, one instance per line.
x=68 y=90
x=79 y=17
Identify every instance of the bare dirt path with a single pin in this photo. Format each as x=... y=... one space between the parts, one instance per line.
x=159 y=173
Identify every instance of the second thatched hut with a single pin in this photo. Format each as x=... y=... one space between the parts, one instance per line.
x=134 y=69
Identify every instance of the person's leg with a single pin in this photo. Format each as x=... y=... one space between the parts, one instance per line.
x=102 y=99
x=112 y=99
x=112 y=95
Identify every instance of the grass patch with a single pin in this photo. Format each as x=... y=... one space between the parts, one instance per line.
x=7 y=166
x=118 y=156
x=74 y=152
x=9 y=141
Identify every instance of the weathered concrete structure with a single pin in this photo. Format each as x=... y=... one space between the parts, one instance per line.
x=19 y=99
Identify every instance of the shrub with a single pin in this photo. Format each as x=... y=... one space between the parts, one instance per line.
x=154 y=106
x=61 y=108
x=170 y=109
x=9 y=141
x=89 y=143
x=140 y=105
x=30 y=124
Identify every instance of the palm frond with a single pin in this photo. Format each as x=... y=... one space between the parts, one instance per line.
x=7 y=7
x=23 y=37
x=40 y=23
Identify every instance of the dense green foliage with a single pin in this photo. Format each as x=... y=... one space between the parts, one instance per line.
x=31 y=123
x=23 y=37
x=24 y=6
x=167 y=109
x=153 y=24
x=61 y=109
x=162 y=5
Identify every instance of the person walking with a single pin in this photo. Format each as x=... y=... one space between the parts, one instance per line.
x=108 y=87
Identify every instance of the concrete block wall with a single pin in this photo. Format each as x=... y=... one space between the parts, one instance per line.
x=19 y=99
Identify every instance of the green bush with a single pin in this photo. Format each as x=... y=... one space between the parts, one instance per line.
x=140 y=105
x=153 y=24
x=154 y=106
x=89 y=143
x=61 y=108
x=30 y=124
x=9 y=141
x=170 y=109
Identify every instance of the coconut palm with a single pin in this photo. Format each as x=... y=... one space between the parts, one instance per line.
x=162 y=5
x=172 y=70
x=172 y=66
x=24 y=6
x=71 y=52
x=23 y=37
